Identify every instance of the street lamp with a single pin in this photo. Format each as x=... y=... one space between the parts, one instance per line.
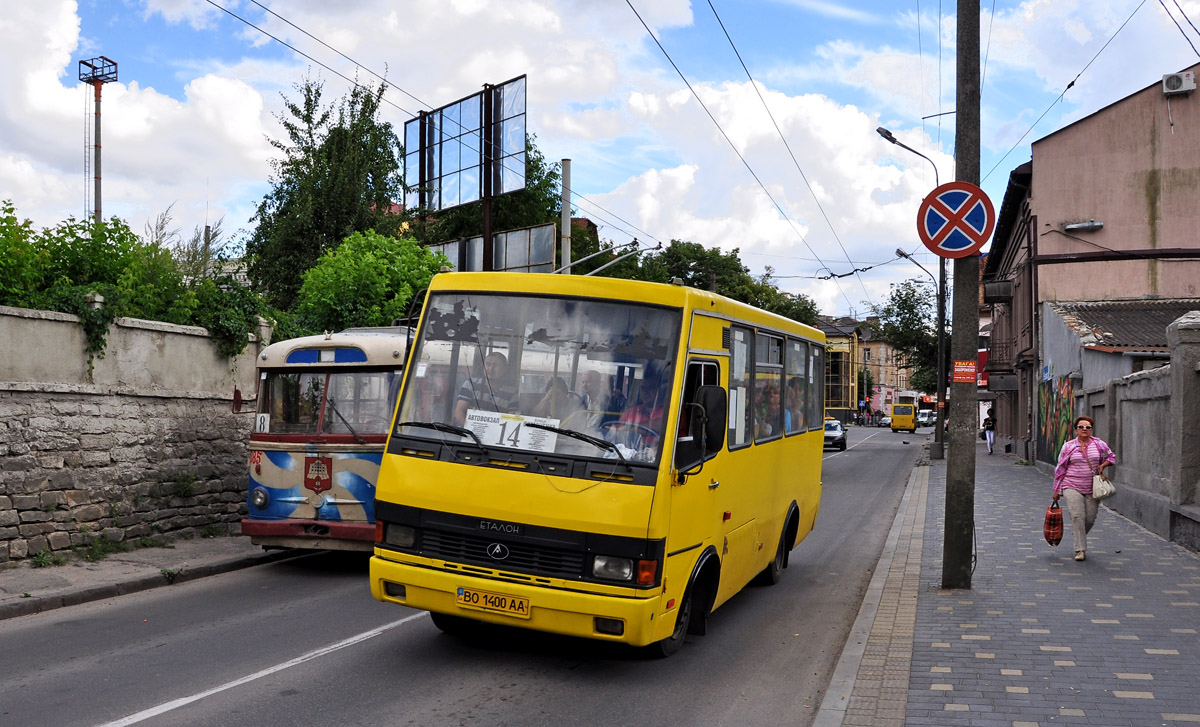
x=937 y=451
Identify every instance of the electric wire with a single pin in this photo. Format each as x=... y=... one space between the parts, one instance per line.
x=1064 y=91
x=300 y=52
x=1180 y=27
x=988 y=50
x=1185 y=16
x=406 y=111
x=787 y=146
x=730 y=142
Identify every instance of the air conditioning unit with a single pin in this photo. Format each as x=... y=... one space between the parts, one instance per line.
x=1179 y=82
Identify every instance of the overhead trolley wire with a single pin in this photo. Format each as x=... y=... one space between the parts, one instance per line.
x=732 y=145
x=788 y=146
x=1064 y=91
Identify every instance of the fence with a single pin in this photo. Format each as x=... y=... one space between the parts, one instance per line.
x=1149 y=419
x=141 y=443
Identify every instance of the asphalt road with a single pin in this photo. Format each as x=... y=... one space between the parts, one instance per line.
x=301 y=642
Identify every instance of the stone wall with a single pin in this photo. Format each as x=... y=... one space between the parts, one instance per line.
x=147 y=445
x=1147 y=418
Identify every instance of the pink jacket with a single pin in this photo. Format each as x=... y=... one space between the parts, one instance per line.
x=1074 y=471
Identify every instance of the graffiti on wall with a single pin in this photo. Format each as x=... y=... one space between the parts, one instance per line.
x=1056 y=410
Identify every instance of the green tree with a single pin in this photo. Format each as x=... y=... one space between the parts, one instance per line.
x=21 y=261
x=338 y=175
x=368 y=280
x=907 y=323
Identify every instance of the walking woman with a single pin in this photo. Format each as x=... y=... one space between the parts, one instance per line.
x=1078 y=460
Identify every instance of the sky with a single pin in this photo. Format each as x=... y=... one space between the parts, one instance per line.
x=787 y=168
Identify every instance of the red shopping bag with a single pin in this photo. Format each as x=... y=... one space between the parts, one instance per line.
x=1054 y=524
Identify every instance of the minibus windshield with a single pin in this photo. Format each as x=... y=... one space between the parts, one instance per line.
x=595 y=376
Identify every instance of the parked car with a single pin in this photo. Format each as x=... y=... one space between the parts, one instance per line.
x=835 y=435
x=885 y=421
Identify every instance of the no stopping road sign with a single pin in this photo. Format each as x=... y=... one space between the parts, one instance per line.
x=955 y=220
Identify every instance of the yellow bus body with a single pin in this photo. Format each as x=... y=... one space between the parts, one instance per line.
x=714 y=530
x=904 y=418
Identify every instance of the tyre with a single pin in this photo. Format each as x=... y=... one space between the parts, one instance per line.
x=843 y=447
x=452 y=625
x=673 y=643
x=774 y=570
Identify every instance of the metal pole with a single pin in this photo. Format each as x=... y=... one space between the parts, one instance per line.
x=566 y=216
x=964 y=340
x=97 y=85
x=937 y=450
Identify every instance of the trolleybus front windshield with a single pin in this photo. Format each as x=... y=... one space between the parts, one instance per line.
x=568 y=376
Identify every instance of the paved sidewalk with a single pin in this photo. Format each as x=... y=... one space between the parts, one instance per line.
x=1039 y=639
x=25 y=590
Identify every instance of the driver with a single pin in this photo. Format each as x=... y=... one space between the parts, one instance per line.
x=649 y=407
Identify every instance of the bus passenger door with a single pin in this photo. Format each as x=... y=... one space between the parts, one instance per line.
x=695 y=520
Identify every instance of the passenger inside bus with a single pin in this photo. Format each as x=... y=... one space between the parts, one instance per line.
x=558 y=402
x=602 y=403
x=793 y=413
x=490 y=391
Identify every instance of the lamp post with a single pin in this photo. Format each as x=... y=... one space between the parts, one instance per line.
x=937 y=450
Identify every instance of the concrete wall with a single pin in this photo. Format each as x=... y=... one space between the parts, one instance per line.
x=1148 y=418
x=145 y=443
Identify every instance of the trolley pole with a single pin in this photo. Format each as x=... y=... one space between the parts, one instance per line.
x=964 y=409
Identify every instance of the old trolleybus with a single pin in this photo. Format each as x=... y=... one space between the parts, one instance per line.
x=613 y=460
x=324 y=407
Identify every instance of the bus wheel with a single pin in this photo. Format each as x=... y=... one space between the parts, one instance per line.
x=774 y=570
x=453 y=625
x=674 y=642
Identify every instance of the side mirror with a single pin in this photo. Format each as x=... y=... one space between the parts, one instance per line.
x=706 y=426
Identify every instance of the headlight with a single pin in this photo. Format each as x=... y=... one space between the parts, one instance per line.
x=259 y=498
x=400 y=536
x=612 y=569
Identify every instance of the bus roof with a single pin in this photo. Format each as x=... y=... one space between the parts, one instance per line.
x=678 y=296
x=382 y=346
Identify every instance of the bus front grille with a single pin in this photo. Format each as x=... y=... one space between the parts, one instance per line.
x=521 y=557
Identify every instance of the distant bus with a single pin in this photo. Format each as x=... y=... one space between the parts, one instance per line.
x=904 y=418
x=324 y=407
x=616 y=459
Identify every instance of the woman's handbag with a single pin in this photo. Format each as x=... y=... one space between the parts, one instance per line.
x=1102 y=488
x=1053 y=528
x=982 y=434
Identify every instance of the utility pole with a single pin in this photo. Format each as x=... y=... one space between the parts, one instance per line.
x=566 y=216
x=964 y=410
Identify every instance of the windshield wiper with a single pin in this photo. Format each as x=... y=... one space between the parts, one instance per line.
x=596 y=441
x=353 y=433
x=449 y=429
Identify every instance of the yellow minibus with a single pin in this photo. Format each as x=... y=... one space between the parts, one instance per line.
x=609 y=459
x=904 y=418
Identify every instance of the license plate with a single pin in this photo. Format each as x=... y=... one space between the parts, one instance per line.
x=493 y=602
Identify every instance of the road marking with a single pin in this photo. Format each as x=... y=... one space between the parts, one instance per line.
x=850 y=446
x=184 y=701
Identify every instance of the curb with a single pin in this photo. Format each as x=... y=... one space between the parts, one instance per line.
x=40 y=604
x=832 y=711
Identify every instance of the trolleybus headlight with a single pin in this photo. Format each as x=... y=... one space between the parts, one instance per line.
x=259 y=497
x=400 y=536
x=612 y=569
